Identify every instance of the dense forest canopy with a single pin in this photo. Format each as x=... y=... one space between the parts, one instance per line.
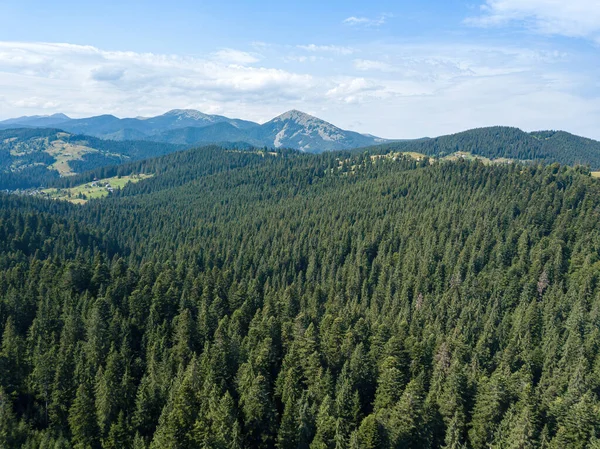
x=508 y=143
x=247 y=299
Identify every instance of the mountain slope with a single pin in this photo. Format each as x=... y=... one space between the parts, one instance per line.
x=31 y=157
x=561 y=145
x=98 y=126
x=185 y=118
x=506 y=142
x=295 y=129
x=217 y=133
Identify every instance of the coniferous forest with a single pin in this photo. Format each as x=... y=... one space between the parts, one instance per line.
x=247 y=299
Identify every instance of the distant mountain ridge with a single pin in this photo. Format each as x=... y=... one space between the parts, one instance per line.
x=298 y=130
x=36 y=120
x=293 y=129
x=30 y=157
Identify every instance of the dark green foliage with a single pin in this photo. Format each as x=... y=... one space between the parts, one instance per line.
x=82 y=419
x=504 y=142
x=239 y=299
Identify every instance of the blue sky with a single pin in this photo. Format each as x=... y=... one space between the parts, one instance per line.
x=396 y=69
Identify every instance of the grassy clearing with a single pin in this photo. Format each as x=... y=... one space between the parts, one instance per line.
x=471 y=157
x=417 y=156
x=82 y=193
x=466 y=156
x=395 y=155
x=596 y=174
x=64 y=153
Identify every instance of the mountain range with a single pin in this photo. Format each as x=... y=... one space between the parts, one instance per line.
x=32 y=157
x=37 y=150
x=293 y=129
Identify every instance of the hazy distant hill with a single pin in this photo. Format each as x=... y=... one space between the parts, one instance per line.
x=109 y=126
x=219 y=132
x=35 y=121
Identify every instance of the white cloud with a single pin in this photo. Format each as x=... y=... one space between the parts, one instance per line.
x=86 y=80
x=336 y=49
x=365 y=21
x=428 y=90
x=400 y=91
x=35 y=102
x=355 y=90
x=229 y=55
x=368 y=65
x=301 y=59
x=573 y=18
x=304 y=59
x=107 y=73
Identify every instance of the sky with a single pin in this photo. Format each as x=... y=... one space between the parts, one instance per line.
x=395 y=69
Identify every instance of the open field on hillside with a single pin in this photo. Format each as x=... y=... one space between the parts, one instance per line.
x=64 y=153
x=96 y=189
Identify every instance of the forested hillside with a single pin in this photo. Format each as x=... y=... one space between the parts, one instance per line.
x=37 y=157
x=284 y=300
x=507 y=143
